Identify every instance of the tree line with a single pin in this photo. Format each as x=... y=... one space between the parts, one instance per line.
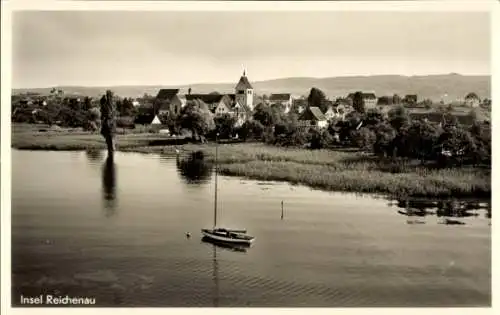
x=391 y=135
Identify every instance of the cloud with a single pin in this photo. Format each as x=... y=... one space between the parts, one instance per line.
x=71 y=46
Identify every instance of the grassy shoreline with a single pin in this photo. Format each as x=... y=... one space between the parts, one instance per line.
x=323 y=169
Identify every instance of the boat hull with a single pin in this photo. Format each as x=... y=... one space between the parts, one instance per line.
x=232 y=238
x=233 y=247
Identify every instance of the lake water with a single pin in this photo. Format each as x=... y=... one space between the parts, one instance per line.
x=117 y=232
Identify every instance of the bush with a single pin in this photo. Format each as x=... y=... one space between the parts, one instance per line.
x=125 y=122
x=251 y=129
x=364 y=138
x=294 y=138
x=320 y=139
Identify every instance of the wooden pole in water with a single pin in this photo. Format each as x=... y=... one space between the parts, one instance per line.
x=281 y=209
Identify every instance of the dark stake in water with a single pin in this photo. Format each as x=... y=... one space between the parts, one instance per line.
x=115 y=230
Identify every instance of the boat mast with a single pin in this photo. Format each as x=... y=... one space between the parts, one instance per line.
x=216 y=169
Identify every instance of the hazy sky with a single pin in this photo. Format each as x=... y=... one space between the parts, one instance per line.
x=129 y=48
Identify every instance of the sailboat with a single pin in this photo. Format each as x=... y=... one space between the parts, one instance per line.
x=221 y=234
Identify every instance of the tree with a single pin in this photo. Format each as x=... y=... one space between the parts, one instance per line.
x=422 y=140
x=333 y=127
x=400 y=145
x=427 y=103
x=364 y=138
x=481 y=133
x=471 y=95
x=450 y=120
x=320 y=139
x=473 y=115
x=396 y=99
x=459 y=144
x=126 y=107
x=372 y=118
x=384 y=137
x=74 y=104
x=251 y=129
x=317 y=98
x=287 y=135
x=384 y=100
x=197 y=118
x=225 y=126
x=398 y=117
x=108 y=121
x=87 y=103
x=278 y=108
x=358 y=102
x=93 y=118
x=486 y=103
x=348 y=126
x=264 y=115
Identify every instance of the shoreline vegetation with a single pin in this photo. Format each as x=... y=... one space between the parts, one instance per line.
x=327 y=169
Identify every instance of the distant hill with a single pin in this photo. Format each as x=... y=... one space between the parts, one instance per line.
x=430 y=86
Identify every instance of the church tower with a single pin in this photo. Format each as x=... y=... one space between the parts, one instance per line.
x=244 y=92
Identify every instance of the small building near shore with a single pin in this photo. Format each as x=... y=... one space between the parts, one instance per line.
x=169 y=102
x=284 y=100
x=369 y=99
x=156 y=121
x=313 y=117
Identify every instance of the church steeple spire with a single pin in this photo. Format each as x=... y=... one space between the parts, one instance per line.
x=244 y=91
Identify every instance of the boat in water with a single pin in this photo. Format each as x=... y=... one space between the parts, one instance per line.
x=227 y=235
x=221 y=234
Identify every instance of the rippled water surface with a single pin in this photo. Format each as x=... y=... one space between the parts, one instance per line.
x=115 y=231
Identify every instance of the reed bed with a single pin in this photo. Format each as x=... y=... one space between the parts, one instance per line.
x=439 y=184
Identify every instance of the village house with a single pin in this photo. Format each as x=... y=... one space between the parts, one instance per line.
x=344 y=107
x=346 y=103
x=369 y=99
x=239 y=104
x=312 y=117
x=221 y=104
x=472 y=100
x=384 y=100
x=299 y=105
x=330 y=113
x=285 y=100
x=336 y=111
x=169 y=102
x=442 y=118
x=410 y=100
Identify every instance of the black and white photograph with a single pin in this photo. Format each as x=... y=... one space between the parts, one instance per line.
x=248 y=157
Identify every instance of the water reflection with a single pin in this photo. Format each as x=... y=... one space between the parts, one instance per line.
x=94 y=155
x=109 y=186
x=241 y=248
x=450 y=211
x=194 y=169
x=166 y=158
